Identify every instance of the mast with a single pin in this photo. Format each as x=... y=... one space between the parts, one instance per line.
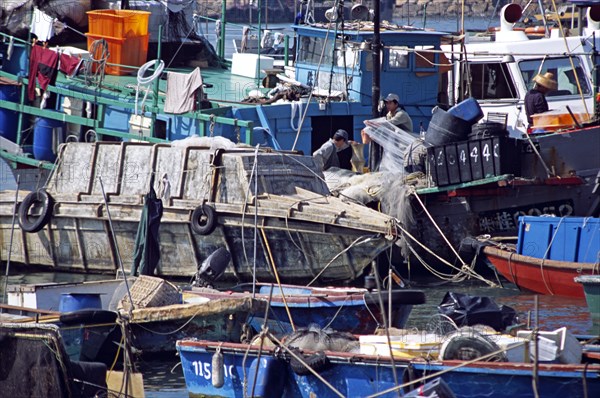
x=375 y=150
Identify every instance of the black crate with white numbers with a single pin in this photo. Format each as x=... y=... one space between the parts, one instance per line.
x=467 y=161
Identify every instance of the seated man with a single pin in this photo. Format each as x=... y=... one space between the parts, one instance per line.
x=535 y=99
x=336 y=152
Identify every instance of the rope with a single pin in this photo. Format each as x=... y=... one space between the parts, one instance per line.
x=272 y=260
x=546 y=254
x=441 y=372
x=570 y=58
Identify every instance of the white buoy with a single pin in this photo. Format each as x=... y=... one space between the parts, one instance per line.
x=217 y=369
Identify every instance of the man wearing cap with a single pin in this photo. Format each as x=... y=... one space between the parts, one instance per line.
x=336 y=152
x=396 y=115
x=535 y=99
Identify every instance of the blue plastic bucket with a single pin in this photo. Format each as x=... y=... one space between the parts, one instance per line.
x=47 y=134
x=8 y=118
x=468 y=110
x=78 y=301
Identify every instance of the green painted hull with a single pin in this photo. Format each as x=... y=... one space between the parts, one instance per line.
x=591 y=288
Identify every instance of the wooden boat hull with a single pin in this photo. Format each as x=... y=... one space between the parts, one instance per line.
x=591 y=289
x=91 y=334
x=540 y=276
x=342 y=309
x=363 y=375
x=300 y=229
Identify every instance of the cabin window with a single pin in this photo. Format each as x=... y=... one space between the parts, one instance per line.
x=563 y=74
x=491 y=81
x=311 y=50
x=398 y=58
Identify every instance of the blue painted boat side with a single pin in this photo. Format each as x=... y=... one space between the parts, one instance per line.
x=359 y=376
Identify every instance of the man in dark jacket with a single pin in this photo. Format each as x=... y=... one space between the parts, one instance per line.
x=336 y=152
x=535 y=99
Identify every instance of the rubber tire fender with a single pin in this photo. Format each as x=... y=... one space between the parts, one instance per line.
x=204 y=220
x=470 y=347
x=317 y=361
x=34 y=224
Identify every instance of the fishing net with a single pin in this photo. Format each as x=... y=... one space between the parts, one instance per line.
x=34 y=364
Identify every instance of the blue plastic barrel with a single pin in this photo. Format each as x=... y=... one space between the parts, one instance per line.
x=468 y=110
x=47 y=134
x=79 y=301
x=8 y=118
x=18 y=64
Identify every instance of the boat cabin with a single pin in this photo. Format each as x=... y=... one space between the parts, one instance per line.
x=499 y=72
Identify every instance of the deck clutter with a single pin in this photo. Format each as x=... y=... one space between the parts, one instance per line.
x=189 y=177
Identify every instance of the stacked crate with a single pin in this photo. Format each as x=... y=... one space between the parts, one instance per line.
x=126 y=33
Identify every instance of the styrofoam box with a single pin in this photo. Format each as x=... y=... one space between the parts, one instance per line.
x=556 y=346
x=517 y=348
x=246 y=64
x=406 y=346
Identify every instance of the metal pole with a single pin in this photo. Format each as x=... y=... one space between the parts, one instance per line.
x=375 y=150
x=114 y=238
x=223 y=22
x=156 y=81
x=10 y=244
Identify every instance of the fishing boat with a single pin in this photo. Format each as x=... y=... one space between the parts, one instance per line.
x=487 y=175
x=271 y=210
x=550 y=253
x=350 y=310
x=230 y=369
x=591 y=289
x=92 y=315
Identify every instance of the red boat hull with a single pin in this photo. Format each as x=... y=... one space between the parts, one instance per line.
x=540 y=276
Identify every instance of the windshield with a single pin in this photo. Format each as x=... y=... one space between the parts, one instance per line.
x=563 y=74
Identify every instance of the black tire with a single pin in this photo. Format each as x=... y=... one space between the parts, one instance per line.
x=35 y=223
x=88 y=317
x=204 y=220
x=317 y=362
x=470 y=347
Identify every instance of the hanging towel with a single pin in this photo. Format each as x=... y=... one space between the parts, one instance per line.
x=181 y=89
x=42 y=25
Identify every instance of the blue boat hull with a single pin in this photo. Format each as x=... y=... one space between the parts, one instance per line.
x=354 y=375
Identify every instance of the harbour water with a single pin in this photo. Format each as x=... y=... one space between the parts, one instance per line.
x=164 y=378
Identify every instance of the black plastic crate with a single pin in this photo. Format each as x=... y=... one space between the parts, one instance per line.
x=472 y=160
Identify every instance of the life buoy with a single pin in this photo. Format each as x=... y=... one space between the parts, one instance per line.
x=204 y=220
x=35 y=222
x=468 y=346
x=88 y=317
x=317 y=362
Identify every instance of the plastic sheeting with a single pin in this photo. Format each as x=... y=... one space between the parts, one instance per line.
x=393 y=140
x=467 y=310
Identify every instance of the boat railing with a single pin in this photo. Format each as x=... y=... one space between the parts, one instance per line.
x=107 y=95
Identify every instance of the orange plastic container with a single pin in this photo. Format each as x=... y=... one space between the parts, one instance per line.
x=118 y=23
x=552 y=121
x=131 y=51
